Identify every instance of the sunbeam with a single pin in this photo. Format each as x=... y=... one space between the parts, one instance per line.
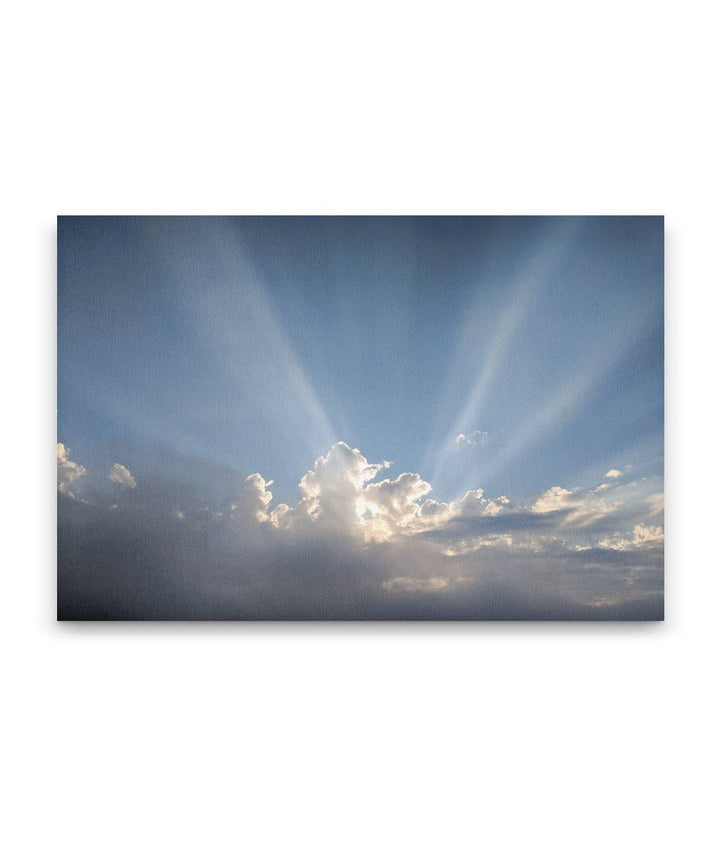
x=224 y=298
x=206 y=365
x=561 y=407
x=525 y=287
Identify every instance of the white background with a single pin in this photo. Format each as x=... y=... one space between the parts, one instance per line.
x=349 y=739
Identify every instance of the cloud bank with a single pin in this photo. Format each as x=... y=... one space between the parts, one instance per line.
x=358 y=546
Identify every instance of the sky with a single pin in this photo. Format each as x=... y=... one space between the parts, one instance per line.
x=360 y=417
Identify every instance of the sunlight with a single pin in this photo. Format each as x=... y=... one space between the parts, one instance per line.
x=528 y=283
x=230 y=308
x=562 y=406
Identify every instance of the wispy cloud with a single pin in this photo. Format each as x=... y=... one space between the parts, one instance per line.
x=472 y=438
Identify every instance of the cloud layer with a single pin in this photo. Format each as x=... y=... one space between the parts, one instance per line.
x=356 y=545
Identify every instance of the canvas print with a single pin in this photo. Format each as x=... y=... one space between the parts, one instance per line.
x=360 y=418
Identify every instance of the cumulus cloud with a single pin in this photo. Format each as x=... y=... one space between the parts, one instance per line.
x=390 y=507
x=552 y=500
x=615 y=474
x=331 y=492
x=340 y=494
x=121 y=475
x=254 y=501
x=435 y=517
x=358 y=545
x=648 y=535
x=67 y=471
x=642 y=537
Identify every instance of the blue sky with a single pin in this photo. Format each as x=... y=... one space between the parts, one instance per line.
x=360 y=417
x=256 y=342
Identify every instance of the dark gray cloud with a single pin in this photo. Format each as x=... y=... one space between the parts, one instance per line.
x=128 y=564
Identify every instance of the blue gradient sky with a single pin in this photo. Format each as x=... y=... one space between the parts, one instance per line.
x=257 y=342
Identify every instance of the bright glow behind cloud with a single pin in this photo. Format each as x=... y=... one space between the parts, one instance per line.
x=376 y=545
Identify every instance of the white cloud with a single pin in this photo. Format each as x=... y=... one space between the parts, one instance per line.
x=647 y=535
x=340 y=494
x=254 y=500
x=553 y=500
x=331 y=492
x=656 y=503
x=643 y=536
x=67 y=471
x=582 y=509
x=463 y=546
x=360 y=544
x=391 y=506
x=121 y=475
x=613 y=474
x=474 y=504
x=474 y=438
x=341 y=499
